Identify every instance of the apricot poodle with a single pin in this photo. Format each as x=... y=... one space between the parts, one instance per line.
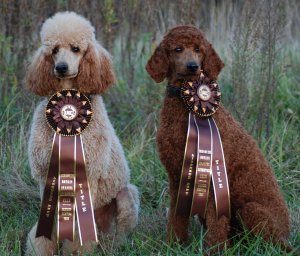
x=256 y=200
x=70 y=57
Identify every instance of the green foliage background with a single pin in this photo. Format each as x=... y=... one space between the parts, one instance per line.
x=257 y=40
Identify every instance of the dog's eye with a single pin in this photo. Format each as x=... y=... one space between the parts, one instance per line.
x=75 y=49
x=197 y=49
x=55 y=50
x=178 y=49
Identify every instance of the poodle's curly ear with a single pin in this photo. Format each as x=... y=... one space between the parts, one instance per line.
x=158 y=64
x=40 y=77
x=96 y=72
x=212 y=64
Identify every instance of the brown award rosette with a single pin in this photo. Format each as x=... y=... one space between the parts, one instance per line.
x=202 y=97
x=68 y=113
x=204 y=157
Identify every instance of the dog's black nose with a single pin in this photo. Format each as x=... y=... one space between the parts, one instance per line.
x=192 y=66
x=61 y=68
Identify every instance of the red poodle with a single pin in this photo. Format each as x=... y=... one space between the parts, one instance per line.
x=256 y=200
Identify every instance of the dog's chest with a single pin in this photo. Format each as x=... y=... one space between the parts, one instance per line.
x=96 y=137
x=172 y=132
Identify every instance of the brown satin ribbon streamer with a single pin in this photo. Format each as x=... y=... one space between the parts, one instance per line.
x=203 y=169
x=219 y=174
x=84 y=207
x=66 y=189
x=185 y=192
x=50 y=196
x=209 y=162
x=68 y=181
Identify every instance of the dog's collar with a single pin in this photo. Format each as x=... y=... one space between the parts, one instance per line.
x=173 y=91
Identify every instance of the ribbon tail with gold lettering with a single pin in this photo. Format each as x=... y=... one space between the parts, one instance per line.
x=84 y=207
x=219 y=174
x=49 y=201
x=186 y=187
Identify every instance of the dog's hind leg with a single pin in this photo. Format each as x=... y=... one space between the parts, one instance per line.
x=262 y=221
x=40 y=246
x=127 y=209
x=259 y=204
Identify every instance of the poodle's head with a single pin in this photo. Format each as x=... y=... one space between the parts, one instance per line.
x=69 y=50
x=182 y=53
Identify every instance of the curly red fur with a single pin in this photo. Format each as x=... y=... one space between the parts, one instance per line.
x=256 y=200
x=158 y=65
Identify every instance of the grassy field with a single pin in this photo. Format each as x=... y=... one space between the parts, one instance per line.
x=266 y=83
x=19 y=194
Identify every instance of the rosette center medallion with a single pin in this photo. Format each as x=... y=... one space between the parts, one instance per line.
x=204 y=92
x=68 y=112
